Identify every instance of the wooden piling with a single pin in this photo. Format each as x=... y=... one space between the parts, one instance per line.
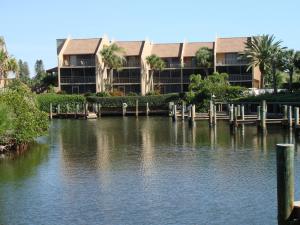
x=137 y=108
x=296 y=117
x=243 y=112
x=98 y=109
x=67 y=108
x=285 y=112
x=235 y=116
x=86 y=110
x=211 y=112
x=258 y=113
x=215 y=115
x=174 y=112
x=290 y=117
x=124 y=106
x=182 y=110
x=263 y=115
x=231 y=114
x=50 y=111
x=285 y=181
x=147 y=109
x=239 y=110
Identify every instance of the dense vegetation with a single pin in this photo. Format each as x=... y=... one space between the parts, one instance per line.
x=21 y=120
x=280 y=97
x=153 y=100
x=44 y=101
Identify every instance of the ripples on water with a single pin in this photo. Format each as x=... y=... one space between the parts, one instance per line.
x=144 y=171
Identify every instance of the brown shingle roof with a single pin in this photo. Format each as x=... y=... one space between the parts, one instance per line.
x=166 y=50
x=131 y=48
x=82 y=46
x=226 y=45
x=191 y=48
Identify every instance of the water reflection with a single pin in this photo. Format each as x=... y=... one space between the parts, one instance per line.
x=139 y=170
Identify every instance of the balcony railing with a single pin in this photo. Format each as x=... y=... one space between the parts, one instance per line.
x=76 y=80
x=240 y=77
x=221 y=62
x=127 y=80
x=174 y=80
x=172 y=65
x=86 y=62
x=132 y=64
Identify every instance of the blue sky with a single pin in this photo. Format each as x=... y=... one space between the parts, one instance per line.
x=31 y=27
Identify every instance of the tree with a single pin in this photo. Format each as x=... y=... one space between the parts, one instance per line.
x=113 y=59
x=260 y=51
x=24 y=73
x=291 y=62
x=204 y=59
x=156 y=64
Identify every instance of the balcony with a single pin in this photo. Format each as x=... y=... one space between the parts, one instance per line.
x=78 y=80
x=126 y=80
x=174 y=80
x=132 y=64
x=240 y=77
x=79 y=63
x=172 y=65
x=225 y=62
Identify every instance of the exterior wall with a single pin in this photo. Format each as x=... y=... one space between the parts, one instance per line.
x=256 y=82
x=60 y=59
x=145 y=76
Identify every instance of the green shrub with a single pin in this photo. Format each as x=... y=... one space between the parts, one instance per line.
x=103 y=94
x=25 y=121
x=132 y=94
x=153 y=101
x=44 y=101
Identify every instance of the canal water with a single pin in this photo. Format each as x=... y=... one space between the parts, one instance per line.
x=123 y=171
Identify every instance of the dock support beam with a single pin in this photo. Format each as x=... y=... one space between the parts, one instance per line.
x=285 y=112
x=231 y=116
x=124 y=106
x=215 y=115
x=285 y=182
x=296 y=116
x=211 y=111
x=86 y=110
x=77 y=111
x=58 y=109
x=182 y=110
x=258 y=113
x=263 y=115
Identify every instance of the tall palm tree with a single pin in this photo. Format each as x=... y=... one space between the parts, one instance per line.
x=291 y=62
x=156 y=64
x=113 y=58
x=204 y=59
x=259 y=51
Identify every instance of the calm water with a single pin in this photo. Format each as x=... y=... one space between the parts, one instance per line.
x=143 y=171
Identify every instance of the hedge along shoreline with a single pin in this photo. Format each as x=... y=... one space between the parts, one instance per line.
x=44 y=101
x=155 y=101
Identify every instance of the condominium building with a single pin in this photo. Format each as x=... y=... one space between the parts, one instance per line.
x=81 y=69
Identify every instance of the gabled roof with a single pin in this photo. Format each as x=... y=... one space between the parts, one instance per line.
x=131 y=48
x=227 y=45
x=167 y=50
x=82 y=46
x=191 y=48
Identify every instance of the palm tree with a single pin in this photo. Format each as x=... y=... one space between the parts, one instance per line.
x=260 y=51
x=291 y=62
x=204 y=59
x=113 y=58
x=156 y=64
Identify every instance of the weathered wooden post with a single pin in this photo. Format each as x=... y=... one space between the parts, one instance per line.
x=285 y=181
x=258 y=113
x=211 y=109
x=243 y=112
x=193 y=111
x=285 y=112
x=136 y=107
x=50 y=111
x=296 y=117
x=98 y=109
x=215 y=115
x=174 y=112
x=182 y=110
x=58 y=109
x=231 y=115
x=124 y=106
x=235 y=116
x=147 y=109
x=290 y=117
x=263 y=115
x=239 y=110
